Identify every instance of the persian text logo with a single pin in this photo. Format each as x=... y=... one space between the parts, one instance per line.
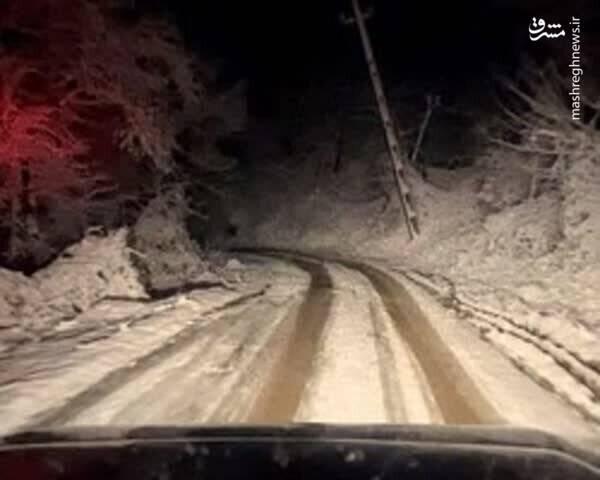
x=539 y=28
x=576 y=70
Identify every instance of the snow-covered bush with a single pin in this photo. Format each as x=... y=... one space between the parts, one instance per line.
x=98 y=266
x=504 y=184
x=528 y=230
x=165 y=255
x=543 y=172
x=581 y=210
x=537 y=128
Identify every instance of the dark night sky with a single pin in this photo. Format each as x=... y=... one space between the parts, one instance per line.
x=286 y=43
x=295 y=35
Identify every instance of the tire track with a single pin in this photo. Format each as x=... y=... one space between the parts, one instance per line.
x=388 y=370
x=271 y=386
x=458 y=397
x=185 y=387
x=279 y=400
x=585 y=372
x=119 y=377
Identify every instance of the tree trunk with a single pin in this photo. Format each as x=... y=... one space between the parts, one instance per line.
x=14 y=228
x=28 y=204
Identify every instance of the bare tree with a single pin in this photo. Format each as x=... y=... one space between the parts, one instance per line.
x=536 y=120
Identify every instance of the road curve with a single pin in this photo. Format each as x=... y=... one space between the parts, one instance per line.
x=432 y=367
x=344 y=342
x=454 y=394
x=254 y=366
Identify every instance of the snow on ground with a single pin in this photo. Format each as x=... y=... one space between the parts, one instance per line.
x=518 y=400
x=32 y=307
x=531 y=270
x=528 y=263
x=97 y=282
x=334 y=394
x=87 y=355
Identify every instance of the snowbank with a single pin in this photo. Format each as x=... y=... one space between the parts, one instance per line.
x=93 y=269
x=523 y=270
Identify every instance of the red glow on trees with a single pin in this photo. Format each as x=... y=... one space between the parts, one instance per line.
x=82 y=98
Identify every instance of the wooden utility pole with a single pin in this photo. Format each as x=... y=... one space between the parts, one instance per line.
x=397 y=164
x=432 y=102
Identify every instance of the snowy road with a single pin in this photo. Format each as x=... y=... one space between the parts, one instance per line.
x=325 y=342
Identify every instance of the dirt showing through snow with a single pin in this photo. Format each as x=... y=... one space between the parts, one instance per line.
x=324 y=341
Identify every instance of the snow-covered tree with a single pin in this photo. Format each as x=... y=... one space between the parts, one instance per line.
x=80 y=93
